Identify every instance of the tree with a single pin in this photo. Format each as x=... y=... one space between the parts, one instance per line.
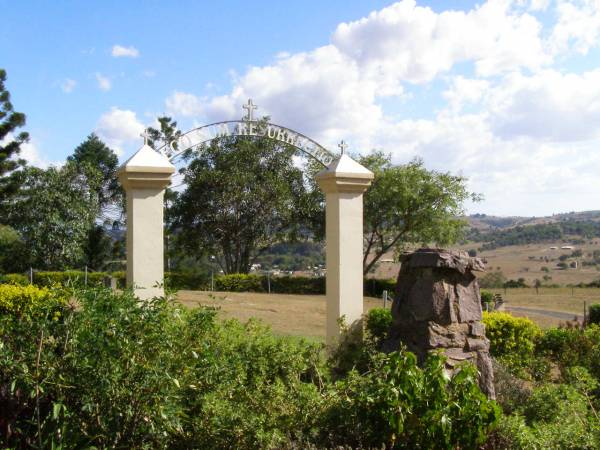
x=163 y=137
x=11 y=250
x=53 y=211
x=409 y=204
x=242 y=195
x=10 y=143
x=94 y=159
x=97 y=249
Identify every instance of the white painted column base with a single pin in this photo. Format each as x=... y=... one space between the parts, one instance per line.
x=344 y=183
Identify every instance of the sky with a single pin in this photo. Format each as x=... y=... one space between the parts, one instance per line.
x=504 y=93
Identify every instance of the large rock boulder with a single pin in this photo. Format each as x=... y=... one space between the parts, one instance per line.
x=438 y=307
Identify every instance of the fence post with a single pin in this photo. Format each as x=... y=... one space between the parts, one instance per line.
x=86 y=277
x=31 y=275
x=385 y=298
x=269 y=281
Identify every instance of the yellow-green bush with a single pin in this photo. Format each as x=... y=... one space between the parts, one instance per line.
x=509 y=334
x=27 y=300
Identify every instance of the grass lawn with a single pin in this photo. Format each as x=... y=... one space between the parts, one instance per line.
x=304 y=315
x=297 y=315
x=553 y=299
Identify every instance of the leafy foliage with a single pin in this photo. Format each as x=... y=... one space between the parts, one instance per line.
x=594 y=314
x=242 y=195
x=53 y=212
x=118 y=373
x=12 y=250
x=399 y=405
x=377 y=323
x=10 y=143
x=553 y=416
x=410 y=204
x=94 y=159
x=25 y=301
x=238 y=282
x=512 y=339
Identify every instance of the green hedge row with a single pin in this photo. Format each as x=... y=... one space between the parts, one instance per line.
x=179 y=280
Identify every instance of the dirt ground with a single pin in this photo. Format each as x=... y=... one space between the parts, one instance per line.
x=298 y=315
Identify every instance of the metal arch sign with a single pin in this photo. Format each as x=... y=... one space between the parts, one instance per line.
x=247 y=127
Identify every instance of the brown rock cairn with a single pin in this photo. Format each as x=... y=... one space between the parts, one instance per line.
x=438 y=307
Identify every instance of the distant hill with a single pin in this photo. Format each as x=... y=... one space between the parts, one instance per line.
x=492 y=232
x=485 y=222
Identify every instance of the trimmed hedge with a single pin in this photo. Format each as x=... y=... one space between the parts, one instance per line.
x=74 y=278
x=295 y=285
x=236 y=282
x=374 y=287
x=14 y=278
x=239 y=282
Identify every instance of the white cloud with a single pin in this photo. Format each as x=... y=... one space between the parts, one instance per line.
x=104 y=83
x=465 y=91
x=30 y=152
x=515 y=125
x=548 y=106
x=406 y=42
x=578 y=26
x=183 y=104
x=118 y=127
x=119 y=51
x=68 y=85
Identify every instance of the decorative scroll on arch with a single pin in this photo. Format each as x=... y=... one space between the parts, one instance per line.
x=194 y=139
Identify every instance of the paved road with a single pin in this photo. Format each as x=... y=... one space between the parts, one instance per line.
x=544 y=312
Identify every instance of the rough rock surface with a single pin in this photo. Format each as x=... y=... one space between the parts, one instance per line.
x=438 y=307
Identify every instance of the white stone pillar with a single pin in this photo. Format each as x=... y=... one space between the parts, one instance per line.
x=144 y=177
x=344 y=183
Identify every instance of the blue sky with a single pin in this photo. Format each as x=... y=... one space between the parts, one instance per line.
x=506 y=93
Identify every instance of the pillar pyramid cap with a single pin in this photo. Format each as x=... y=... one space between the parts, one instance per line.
x=345 y=175
x=146 y=159
x=345 y=166
x=146 y=169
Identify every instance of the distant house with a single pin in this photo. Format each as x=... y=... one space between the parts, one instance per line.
x=553 y=248
x=567 y=247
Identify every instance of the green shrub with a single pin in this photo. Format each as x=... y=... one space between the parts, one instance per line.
x=295 y=285
x=374 y=287
x=555 y=416
x=594 y=314
x=71 y=278
x=377 y=323
x=118 y=373
x=396 y=404
x=186 y=280
x=25 y=301
x=487 y=297
x=123 y=374
x=512 y=339
x=14 y=278
x=572 y=347
x=121 y=277
x=238 y=282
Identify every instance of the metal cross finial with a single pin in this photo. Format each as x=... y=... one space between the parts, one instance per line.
x=145 y=135
x=343 y=146
x=250 y=107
